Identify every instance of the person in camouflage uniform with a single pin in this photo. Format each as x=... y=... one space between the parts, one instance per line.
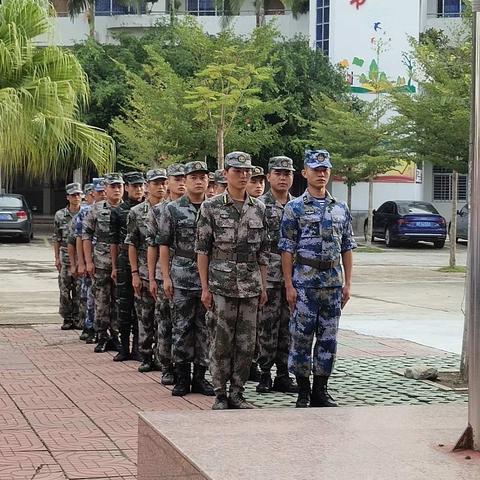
x=181 y=283
x=220 y=182
x=256 y=183
x=96 y=243
x=68 y=284
x=232 y=247
x=273 y=333
x=316 y=239
x=121 y=274
x=176 y=188
x=83 y=312
x=211 y=185
x=137 y=253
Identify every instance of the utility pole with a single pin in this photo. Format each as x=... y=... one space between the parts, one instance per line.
x=471 y=437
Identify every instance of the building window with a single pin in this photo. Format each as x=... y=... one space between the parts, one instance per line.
x=104 y=8
x=442 y=185
x=323 y=26
x=449 y=8
x=201 y=7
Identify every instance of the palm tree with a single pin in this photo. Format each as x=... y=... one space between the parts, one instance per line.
x=42 y=94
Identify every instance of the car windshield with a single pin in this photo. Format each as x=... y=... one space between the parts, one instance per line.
x=10 y=202
x=416 y=207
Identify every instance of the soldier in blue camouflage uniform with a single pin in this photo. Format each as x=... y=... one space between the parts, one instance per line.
x=137 y=253
x=232 y=247
x=273 y=333
x=182 y=286
x=68 y=284
x=121 y=274
x=316 y=239
x=176 y=188
x=96 y=244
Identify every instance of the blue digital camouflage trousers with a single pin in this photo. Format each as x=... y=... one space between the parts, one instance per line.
x=317 y=313
x=87 y=304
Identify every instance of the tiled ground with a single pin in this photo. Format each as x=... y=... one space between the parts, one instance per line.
x=67 y=413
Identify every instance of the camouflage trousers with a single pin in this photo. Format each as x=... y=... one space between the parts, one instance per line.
x=105 y=311
x=87 y=305
x=273 y=332
x=145 y=306
x=317 y=313
x=127 y=315
x=233 y=328
x=69 y=296
x=163 y=321
x=189 y=329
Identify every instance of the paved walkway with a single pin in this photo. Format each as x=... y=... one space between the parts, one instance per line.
x=67 y=413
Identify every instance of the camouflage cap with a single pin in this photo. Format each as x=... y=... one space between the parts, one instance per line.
x=317 y=159
x=238 y=160
x=73 y=188
x=98 y=184
x=133 y=177
x=156 y=174
x=88 y=187
x=211 y=177
x=192 y=167
x=176 y=170
x=113 y=178
x=258 y=172
x=220 y=177
x=280 y=163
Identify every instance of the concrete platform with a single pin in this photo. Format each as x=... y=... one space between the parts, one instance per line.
x=404 y=443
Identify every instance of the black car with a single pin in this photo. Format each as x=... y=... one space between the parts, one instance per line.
x=407 y=221
x=15 y=217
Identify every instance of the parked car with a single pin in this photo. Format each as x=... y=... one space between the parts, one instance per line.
x=15 y=217
x=407 y=221
x=462 y=224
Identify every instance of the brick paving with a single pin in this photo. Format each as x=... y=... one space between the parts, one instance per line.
x=68 y=413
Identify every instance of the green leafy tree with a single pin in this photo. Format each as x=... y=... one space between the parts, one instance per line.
x=355 y=138
x=42 y=92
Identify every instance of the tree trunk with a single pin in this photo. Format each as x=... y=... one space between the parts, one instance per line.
x=220 y=146
x=260 y=8
x=453 y=222
x=370 y=212
x=349 y=196
x=91 y=18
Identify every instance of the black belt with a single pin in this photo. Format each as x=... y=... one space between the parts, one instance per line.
x=318 y=264
x=237 y=257
x=275 y=249
x=185 y=253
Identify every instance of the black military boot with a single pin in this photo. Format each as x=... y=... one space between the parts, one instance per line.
x=135 y=354
x=91 y=337
x=303 y=392
x=101 y=346
x=124 y=352
x=221 y=402
x=168 y=378
x=320 y=396
x=237 y=401
x=265 y=383
x=254 y=375
x=182 y=380
x=114 y=343
x=199 y=383
x=283 y=383
x=84 y=335
x=146 y=365
x=67 y=324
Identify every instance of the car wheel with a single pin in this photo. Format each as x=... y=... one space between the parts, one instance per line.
x=365 y=233
x=388 y=238
x=439 y=244
x=25 y=238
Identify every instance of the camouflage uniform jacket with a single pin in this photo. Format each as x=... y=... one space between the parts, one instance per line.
x=317 y=233
x=177 y=229
x=118 y=221
x=153 y=226
x=61 y=229
x=137 y=235
x=274 y=213
x=96 y=226
x=237 y=244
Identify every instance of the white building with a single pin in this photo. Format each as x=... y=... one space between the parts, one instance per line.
x=361 y=34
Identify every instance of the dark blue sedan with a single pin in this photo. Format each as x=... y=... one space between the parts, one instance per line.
x=407 y=221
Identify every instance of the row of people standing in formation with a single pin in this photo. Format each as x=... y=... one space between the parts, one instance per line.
x=205 y=270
